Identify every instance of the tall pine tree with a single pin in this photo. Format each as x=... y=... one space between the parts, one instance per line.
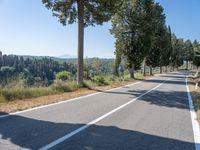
x=85 y=12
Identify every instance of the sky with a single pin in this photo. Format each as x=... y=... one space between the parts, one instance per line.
x=28 y=28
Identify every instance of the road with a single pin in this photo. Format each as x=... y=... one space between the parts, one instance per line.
x=148 y=115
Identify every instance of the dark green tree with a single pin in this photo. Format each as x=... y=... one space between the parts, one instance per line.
x=188 y=52
x=177 y=51
x=126 y=29
x=196 y=46
x=157 y=37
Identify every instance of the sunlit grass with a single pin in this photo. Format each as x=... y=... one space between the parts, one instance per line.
x=59 y=86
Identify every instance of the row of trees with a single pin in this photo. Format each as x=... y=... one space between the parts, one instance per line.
x=138 y=26
x=142 y=37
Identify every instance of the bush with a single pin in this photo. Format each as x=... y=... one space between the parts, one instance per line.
x=111 y=79
x=100 y=80
x=63 y=75
x=60 y=86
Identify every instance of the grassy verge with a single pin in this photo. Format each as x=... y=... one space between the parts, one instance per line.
x=196 y=98
x=59 y=86
x=24 y=98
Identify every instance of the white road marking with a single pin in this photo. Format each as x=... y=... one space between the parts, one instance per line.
x=67 y=136
x=195 y=124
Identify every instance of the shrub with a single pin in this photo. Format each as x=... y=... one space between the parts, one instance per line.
x=100 y=80
x=111 y=79
x=60 y=86
x=63 y=75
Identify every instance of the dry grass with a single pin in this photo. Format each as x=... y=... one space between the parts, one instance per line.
x=17 y=105
x=196 y=99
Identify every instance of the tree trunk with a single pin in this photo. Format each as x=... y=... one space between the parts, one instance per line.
x=144 y=67
x=186 y=64
x=165 y=68
x=160 y=69
x=192 y=66
x=132 y=71
x=177 y=68
x=151 y=70
x=80 y=6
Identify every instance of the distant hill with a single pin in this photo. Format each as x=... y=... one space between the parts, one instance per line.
x=67 y=59
x=66 y=56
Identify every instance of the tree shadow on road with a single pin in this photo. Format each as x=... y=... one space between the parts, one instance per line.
x=172 y=99
x=177 y=81
x=2 y=113
x=30 y=133
x=165 y=98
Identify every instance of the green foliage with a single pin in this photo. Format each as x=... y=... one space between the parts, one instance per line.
x=24 y=93
x=95 y=11
x=188 y=51
x=141 y=34
x=178 y=47
x=196 y=46
x=97 y=66
x=60 y=86
x=100 y=80
x=137 y=26
x=32 y=70
x=63 y=75
x=126 y=25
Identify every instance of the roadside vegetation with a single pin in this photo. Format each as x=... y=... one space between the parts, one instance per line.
x=24 y=98
x=62 y=83
x=195 y=81
x=195 y=92
x=196 y=100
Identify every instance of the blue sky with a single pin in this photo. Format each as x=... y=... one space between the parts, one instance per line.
x=28 y=28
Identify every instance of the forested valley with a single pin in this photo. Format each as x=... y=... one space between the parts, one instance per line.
x=41 y=71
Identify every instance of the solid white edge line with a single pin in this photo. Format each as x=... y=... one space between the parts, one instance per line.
x=195 y=124
x=67 y=136
x=68 y=100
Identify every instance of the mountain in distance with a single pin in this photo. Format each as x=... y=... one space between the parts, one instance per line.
x=66 y=56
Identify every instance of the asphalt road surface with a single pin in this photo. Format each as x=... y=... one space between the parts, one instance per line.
x=149 y=115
